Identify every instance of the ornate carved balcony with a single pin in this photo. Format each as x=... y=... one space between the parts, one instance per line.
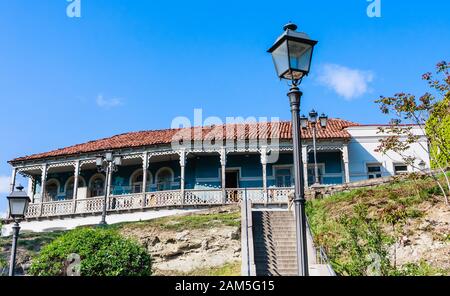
x=154 y=200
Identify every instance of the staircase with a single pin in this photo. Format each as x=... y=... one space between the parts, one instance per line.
x=274 y=243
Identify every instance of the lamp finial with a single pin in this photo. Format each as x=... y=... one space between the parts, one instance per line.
x=290 y=26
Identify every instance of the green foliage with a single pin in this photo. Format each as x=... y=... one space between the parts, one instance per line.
x=438 y=130
x=3 y=266
x=363 y=244
x=194 y=221
x=357 y=227
x=417 y=269
x=103 y=252
x=431 y=110
x=228 y=269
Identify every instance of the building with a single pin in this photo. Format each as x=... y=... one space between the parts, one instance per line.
x=198 y=166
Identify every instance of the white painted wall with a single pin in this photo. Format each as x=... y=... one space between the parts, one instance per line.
x=71 y=223
x=362 y=146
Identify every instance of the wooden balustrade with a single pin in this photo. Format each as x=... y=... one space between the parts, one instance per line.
x=126 y=202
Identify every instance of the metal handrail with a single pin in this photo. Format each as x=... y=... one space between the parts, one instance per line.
x=321 y=255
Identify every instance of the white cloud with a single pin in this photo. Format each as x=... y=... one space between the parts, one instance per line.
x=346 y=82
x=4 y=185
x=108 y=103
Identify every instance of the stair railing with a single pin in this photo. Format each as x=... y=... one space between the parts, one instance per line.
x=321 y=255
x=248 y=256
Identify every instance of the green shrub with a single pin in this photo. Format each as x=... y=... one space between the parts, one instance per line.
x=102 y=252
x=3 y=266
x=417 y=269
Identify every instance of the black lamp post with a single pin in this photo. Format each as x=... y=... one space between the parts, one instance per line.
x=108 y=164
x=18 y=204
x=292 y=54
x=313 y=119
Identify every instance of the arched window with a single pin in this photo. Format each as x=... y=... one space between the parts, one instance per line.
x=136 y=181
x=164 y=179
x=97 y=185
x=51 y=190
x=69 y=186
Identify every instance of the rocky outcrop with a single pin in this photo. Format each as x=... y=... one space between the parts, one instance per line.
x=424 y=239
x=182 y=251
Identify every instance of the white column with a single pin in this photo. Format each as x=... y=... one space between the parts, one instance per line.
x=182 y=173
x=223 y=163
x=264 y=170
x=144 y=177
x=109 y=180
x=75 y=185
x=305 y=165
x=144 y=171
x=12 y=184
x=30 y=188
x=43 y=181
x=346 y=165
x=76 y=179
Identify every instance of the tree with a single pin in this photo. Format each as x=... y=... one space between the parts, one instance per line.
x=92 y=252
x=438 y=128
x=430 y=112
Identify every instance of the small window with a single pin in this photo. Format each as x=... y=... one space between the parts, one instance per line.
x=400 y=168
x=374 y=171
x=283 y=177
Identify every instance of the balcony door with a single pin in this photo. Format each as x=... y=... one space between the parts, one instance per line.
x=232 y=179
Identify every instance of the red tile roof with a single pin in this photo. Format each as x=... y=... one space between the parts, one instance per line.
x=335 y=130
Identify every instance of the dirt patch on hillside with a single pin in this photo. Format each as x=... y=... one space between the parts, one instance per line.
x=210 y=242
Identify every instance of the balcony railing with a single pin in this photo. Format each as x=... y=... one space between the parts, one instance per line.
x=157 y=199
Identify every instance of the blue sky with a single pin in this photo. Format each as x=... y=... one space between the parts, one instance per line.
x=136 y=65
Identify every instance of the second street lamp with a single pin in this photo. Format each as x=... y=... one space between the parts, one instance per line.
x=108 y=164
x=292 y=54
x=322 y=120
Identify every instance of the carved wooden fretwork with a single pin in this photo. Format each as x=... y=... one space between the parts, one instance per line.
x=61 y=164
x=86 y=161
x=133 y=156
x=326 y=148
x=162 y=153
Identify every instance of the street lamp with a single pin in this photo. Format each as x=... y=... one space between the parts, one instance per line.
x=18 y=204
x=322 y=120
x=108 y=164
x=292 y=54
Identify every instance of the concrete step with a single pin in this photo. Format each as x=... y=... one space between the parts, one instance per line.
x=277 y=256
x=279 y=236
x=288 y=224
x=266 y=244
x=277 y=272
x=274 y=235
x=281 y=249
x=277 y=266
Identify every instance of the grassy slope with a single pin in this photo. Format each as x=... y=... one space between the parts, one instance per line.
x=191 y=221
x=31 y=243
x=353 y=225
